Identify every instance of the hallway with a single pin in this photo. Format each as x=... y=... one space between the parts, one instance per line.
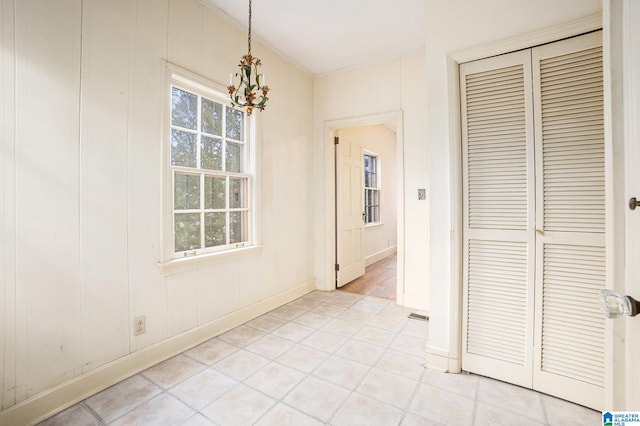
x=334 y=358
x=379 y=279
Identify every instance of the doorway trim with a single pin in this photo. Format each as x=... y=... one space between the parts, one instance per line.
x=331 y=127
x=570 y=29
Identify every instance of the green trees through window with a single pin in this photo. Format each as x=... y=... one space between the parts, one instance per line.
x=210 y=180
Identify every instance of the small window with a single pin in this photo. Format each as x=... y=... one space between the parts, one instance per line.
x=371 y=190
x=208 y=165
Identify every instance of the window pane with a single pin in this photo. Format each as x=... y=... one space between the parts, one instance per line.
x=187 y=231
x=234 y=157
x=186 y=192
x=211 y=117
x=235 y=124
x=183 y=149
x=236 y=193
x=184 y=109
x=214 y=192
x=211 y=153
x=237 y=225
x=214 y=229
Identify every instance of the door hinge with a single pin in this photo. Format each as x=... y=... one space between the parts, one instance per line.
x=337 y=267
x=336 y=140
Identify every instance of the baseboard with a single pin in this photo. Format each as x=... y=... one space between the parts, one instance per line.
x=437 y=359
x=379 y=255
x=54 y=400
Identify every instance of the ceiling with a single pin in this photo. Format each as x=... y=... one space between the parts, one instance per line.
x=329 y=35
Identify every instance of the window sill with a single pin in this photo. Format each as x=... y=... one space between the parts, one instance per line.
x=373 y=225
x=176 y=266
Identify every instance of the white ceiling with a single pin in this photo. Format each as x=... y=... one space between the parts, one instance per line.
x=328 y=35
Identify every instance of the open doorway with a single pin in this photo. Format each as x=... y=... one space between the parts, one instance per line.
x=379 y=279
x=368 y=200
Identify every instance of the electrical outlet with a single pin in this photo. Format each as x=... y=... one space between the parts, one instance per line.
x=139 y=326
x=422 y=194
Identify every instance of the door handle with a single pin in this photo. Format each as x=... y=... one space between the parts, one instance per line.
x=633 y=203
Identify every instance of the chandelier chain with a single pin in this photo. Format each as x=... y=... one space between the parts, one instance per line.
x=249 y=38
x=251 y=91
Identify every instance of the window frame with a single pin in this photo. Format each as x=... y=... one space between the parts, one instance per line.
x=203 y=87
x=377 y=190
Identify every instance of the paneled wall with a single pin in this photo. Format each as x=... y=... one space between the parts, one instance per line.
x=399 y=84
x=81 y=122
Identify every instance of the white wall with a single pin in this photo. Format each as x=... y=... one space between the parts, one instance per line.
x=379 y=240
x=375 y=89
x=81 y=177
x=452 y=26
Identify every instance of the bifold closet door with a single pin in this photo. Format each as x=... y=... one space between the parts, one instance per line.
x=533 y=200
x=499 y=241
x=570 y=219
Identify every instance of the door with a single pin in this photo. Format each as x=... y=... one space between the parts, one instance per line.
x=498 y=231
x=631 y=95
x=350 y=210
x=533 y=164
x=570 y=219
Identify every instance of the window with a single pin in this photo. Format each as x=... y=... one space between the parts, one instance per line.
x=371 y=190
x=209 y=173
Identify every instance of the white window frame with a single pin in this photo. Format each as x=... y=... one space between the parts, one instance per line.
x=173 y=261
x=375 y=189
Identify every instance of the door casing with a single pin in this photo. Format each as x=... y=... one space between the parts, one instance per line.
x=331 y=128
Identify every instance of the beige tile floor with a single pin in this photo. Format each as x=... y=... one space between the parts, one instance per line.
x=332 y=358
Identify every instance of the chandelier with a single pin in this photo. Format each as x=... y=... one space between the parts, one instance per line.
x=251 y=91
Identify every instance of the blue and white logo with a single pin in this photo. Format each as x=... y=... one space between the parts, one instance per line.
x=621 y=418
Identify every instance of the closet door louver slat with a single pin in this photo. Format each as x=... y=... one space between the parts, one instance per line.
x=496 y=142
x=569 y=303
x=573 y=171
x=496 y=294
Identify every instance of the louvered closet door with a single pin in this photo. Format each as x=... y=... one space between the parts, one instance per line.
x=534 y=256
x=570 y=254
x=497 y=112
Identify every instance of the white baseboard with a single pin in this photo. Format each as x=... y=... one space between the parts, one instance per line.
x=379 y=255
x=437 y=359
x=54 y=400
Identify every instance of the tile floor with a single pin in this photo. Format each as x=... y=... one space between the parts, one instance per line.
x=332 y=358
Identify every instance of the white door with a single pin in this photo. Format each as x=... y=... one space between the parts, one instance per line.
x=533 y=153
x=350 y=211
x=498 y=229
x=570 y=219
x=631 y=80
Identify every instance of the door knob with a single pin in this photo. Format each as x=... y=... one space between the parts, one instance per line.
x=615 y=305
x=633 y=203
